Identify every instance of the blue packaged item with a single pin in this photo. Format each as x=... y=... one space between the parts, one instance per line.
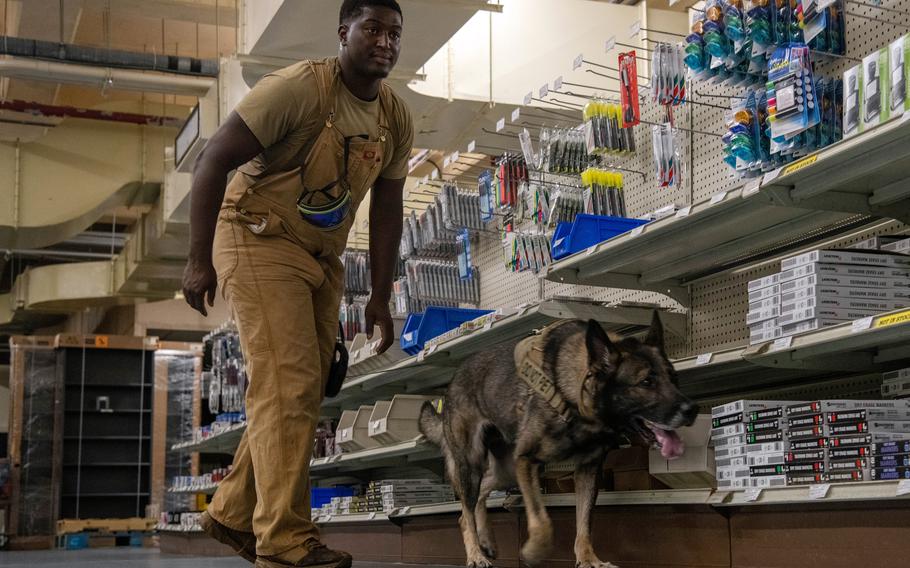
x=76 y=541
x=320 y=496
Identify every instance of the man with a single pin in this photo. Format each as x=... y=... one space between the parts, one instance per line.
x=308 y=142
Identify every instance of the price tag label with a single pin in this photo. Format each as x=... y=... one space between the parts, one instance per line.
x=432 y=349
x=500 y=124
x=819 y=491
x=421 y=356
x=903 y=487
x=488 y=325
x=557 y=84
x=637 y=231
x=905 y=118
x=472 y=145
x=704 y=359
x=771 y=176
x=435 y=175
x=635 y=29
x=752 y=187
x=456 y=156
x=425 y=180
x=861 y=325
x=752 y=494
x=578 y=61
x=528 y=98
x=718 y=197
x=782 y=343
x=372 y=516
x=672 y=2
x=544 y=91
x=405 y=510
x=448 y=161
x=610 y=44
x=591 y=250
x=516 y=114
x=684 y=212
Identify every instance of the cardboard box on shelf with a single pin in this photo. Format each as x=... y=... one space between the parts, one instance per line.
x=696 y=467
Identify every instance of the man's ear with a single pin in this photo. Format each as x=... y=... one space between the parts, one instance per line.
x=343 y=34
x=598 y=343
x=655 y=336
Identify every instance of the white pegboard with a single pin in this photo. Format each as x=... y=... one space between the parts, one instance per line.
x=718 y=309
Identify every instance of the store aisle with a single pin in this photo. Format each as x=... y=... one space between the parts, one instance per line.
x=132 y=558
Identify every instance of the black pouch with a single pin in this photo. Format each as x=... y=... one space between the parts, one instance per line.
x=338 y=370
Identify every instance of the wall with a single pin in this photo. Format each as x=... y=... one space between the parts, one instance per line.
x=4 y=409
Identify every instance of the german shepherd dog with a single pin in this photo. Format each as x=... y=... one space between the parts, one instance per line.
x=495 y=430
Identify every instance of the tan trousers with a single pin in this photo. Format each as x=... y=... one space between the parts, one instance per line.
x=285 y=303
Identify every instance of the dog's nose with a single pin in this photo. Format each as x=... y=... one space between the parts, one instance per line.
x=690 y=411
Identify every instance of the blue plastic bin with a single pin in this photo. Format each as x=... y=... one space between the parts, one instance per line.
x=587 y=231
x=320 y=496
x=420 y=328
x=76 y=541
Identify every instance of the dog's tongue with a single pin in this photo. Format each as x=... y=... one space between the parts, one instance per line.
x=671 y=446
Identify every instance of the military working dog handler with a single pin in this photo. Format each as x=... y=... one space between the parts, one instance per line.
x=308 y=142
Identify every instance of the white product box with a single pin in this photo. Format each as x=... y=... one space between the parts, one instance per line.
x=733 y=484
x=778 y=458
x=767 y=303
x=902 y=246
x=893 y=388
x=766 y=448
x=768 y=481
x=740 y=461
x=808 y=325
x=899 y=374
x=882 y=437
x=755 y=317
x=823 y=313
x=831 y=280
x=843 y=270
x=764 y=293
x=727 y=431
x=875 y=108
x=749 y=406
x=843 y=304
x=890 y=414
x=861 y=258
x=876 y=426
x=763 y=325
x=756 y=337
x=824 y=293
x=853 y=84
x=729 y=441
x=730 y=452
x=764 y=282
x=845 y=405
x=733 y=472
x=693 y=469
x=876 y=243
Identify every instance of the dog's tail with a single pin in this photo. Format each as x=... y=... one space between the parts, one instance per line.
x=430 y=421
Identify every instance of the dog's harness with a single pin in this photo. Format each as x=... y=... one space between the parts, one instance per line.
x=529 y=354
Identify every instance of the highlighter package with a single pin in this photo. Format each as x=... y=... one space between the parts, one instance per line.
x=853 y=81
x=875 y=108
x=897 y=75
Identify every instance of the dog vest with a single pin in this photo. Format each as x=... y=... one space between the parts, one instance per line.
x=529 y=364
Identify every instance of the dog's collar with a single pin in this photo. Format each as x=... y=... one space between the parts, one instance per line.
x=529 y=364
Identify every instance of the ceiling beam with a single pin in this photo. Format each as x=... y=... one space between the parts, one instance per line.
x=201 y=11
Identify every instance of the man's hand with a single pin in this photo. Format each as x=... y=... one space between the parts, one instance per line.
x=200 y=283
x=377 y=313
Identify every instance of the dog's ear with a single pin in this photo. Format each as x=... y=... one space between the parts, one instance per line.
x=598 y=343
x=655 y=336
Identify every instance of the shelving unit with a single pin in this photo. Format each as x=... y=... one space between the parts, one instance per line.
x=224 y=443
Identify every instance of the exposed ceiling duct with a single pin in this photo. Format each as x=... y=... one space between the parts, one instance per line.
x=104 y=77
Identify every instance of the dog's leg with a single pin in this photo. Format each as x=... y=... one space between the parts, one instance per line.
x=484 y=532
x=540 y=530
x=469 y=478
x=585 y=498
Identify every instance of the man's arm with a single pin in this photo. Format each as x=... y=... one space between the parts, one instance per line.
x=232 y=146
x=386 y=218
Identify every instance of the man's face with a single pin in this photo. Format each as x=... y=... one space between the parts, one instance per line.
x=373 y=41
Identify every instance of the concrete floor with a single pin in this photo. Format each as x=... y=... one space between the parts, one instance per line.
x=132 y=558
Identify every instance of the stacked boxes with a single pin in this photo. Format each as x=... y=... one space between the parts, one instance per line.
x=822 y=288
x=800 y=443
x=390 y=494
x=876 y=89
x=896 y=384
x=748 y=438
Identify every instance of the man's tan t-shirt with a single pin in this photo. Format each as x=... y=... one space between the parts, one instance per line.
x=283 y=112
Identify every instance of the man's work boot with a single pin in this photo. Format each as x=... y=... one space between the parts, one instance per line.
x=243 y=543
x=319 y=556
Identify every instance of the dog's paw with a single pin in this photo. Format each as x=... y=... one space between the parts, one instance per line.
x=594 y=564
x=489 y=550
x=534 y=552
x=479 y=562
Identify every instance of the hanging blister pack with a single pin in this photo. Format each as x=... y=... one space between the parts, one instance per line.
x=485 y=189
x=603 y=193
x=668 y=160
x=792 y=102
x=668 y=74
x=525 y=251
x=465 y=268
x=628 y=86
x=603 y=130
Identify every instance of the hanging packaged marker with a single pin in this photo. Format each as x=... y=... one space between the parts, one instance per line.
x=628 y=80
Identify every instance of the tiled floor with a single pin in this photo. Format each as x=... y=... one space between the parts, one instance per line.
x=131 y=558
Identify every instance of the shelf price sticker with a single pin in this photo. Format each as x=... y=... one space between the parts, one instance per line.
x=456 y=156
x=752 y=187
x=637 y=231
x=578 y=61
x=893 y=319
x=704 y=359
x=500 y=124
x=432 y=349
x=448 y=161
x=610 y=44
x=528 y=98
x=591 y=250
x=771 y=176
x=752 y=494
x=861 y=325
x=635 y=29
x=557 y=83
x=819 y=491
x=717 y=198
x=435 y=175
x=796 y=166
x=684 y=212
x=903 y=487
x=544 y=90
x=488 y=325
x=472 y=146
x=515 y=114
x=782 y=343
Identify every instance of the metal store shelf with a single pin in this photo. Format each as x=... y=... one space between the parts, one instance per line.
x=662 y=257
x=224 y=443
x=404 y=513
x=868 y=174
x=837 y=493
x=208 y=490
x=358 y=518
x=627 y=498
x=863 y=346
x=434 y=367
x=406 y=452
